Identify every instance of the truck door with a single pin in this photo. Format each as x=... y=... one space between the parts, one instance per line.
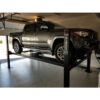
x=42 y=36
x=28 y=37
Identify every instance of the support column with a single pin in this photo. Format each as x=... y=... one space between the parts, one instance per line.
x=66 y=77
x=88 y=62
x=8 y=55
x=66 y=59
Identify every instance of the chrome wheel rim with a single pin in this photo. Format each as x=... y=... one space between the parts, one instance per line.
x=60 y=53
x=16 y=47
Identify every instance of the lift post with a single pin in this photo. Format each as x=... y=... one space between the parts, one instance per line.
x=66 y=59
x=67 y=66
x=8 y=53
x=88 y=62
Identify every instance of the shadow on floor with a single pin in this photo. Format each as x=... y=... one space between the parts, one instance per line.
x=41 y=57
x=11 y=59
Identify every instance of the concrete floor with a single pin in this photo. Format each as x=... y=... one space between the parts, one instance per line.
x=31 y=73
x=27 y=72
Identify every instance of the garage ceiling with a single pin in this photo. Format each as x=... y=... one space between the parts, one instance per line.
x=25 y=17
x=68 y=20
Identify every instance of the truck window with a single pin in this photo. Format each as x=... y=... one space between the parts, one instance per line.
x=30 y=28
x=42 y=27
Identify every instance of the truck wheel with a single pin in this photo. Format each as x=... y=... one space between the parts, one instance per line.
x=17 y=47
x=59 y=52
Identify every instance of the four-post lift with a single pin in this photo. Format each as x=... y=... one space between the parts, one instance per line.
x=67 y=66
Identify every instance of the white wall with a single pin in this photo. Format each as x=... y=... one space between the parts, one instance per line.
x=12 y=25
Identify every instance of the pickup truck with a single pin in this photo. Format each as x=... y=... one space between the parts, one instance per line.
x=43 y=35
x=46 y=35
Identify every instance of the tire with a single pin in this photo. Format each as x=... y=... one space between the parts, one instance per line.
x=59 y=52
x=71 y=53
x=17 y=47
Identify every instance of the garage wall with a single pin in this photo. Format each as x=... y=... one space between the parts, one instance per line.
x=12 y=25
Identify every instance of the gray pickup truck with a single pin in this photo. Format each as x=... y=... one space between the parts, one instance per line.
x=46 y=35
x=43 y=35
